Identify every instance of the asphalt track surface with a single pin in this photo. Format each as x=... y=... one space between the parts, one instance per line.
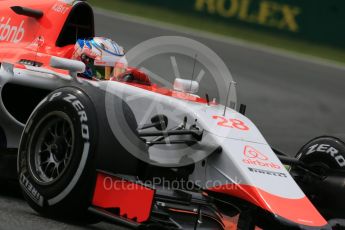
x=289 y=99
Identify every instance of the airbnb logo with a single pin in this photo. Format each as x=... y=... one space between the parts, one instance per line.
x=250 y=152
x=255 y=157
x=11 y=33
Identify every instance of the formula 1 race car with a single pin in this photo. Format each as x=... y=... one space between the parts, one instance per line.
x=85 y=150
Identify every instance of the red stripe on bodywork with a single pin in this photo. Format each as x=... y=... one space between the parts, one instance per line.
x=134 y=200
x=170 y=93
x=299 y=211
x=19 y=66
x=147 y=85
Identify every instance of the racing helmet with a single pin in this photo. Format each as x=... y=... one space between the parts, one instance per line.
x=103 y=57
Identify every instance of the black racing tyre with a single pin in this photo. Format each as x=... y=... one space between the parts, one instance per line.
x=325 y=156
x=324 y=151
x=56 y=155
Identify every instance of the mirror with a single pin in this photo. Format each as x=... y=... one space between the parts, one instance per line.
x=67 y=64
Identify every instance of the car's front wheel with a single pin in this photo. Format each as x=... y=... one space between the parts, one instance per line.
x=56 y=155
x=325 y=157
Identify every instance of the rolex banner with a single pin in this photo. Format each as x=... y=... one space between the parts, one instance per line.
x=315 y=20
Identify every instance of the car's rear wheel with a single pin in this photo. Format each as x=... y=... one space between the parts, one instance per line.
x=56 y=155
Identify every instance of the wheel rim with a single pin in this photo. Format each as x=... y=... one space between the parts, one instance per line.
x=51 y=148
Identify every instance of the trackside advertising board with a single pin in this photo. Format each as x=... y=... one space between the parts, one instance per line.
x=314 y=20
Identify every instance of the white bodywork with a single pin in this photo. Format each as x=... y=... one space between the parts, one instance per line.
x=229 y=166
x=246 y=157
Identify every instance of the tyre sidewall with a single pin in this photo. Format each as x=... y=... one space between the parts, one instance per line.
x=327 y=150
x=72 y=192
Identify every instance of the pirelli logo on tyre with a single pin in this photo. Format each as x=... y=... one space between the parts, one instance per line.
x=30 y=190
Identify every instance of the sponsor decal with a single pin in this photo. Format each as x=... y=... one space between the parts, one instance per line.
x=267 y=13
x=250 y=152
x=37 y=42
x=55 y=95
x=255 y=157
x=30 y=190
x=82 y=114
x=100 y=62
x=79 y=107
x=11 y=33
x=60 y=8
x=267 y=172
x=325 y=148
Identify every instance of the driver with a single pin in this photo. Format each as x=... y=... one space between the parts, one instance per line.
x=103 y=58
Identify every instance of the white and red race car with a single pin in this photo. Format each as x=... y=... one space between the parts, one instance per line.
x=85 y=150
